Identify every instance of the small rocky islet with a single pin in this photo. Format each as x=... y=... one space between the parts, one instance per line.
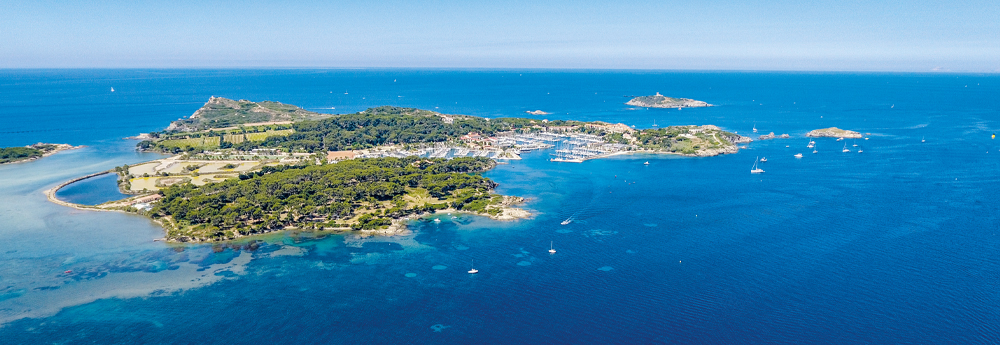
x=661 y=101
x=833 y=132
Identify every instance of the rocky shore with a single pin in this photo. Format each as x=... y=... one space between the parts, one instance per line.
x=660 y=101
x=833 y=132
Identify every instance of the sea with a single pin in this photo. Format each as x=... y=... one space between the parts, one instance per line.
x=898 y=244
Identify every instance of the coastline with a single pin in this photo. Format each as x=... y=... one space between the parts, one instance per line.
x=59 y=148
x=398 y=226
x=620 y=153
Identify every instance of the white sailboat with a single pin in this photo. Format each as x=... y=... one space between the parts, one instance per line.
x=855 y=143
x=552 y=249
x=763 y=159
x=473 y=270
x=922 y=140
x=567 y=221
x=755 y=169
x=812 y=143
x=755 y=127
x=845 y=148
x=112 y=89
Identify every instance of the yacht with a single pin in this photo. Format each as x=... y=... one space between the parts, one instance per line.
x=567 y=221
x=922 y=140
x=845 y=148
x=839 y=139
x=763 y=159
x=755 y=169
x=437 y=220
x=814 y=151
x=755 y=128
x=647 y=163
x=473 y=270
x=811 y=144
x=860 y=150
x=112 y=89
x=798 y=155
x=552 y=250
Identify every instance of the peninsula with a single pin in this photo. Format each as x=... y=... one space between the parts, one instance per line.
x=660 y=101
x=833 y=132
x=31 y=152
x=237 y=171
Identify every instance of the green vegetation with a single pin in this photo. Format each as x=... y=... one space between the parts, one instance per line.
x=17 y=154
x=685 y=139
x=366 y=129
x=360 y=193
x=189 y=144
x=221 y=113
x=14 y=154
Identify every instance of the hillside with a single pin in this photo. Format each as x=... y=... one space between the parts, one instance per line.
x=220 y=112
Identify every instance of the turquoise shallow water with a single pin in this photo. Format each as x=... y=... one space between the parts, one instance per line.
x=894 y=245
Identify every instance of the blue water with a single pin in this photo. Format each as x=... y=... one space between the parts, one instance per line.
x=894 y=245
x=92 y=191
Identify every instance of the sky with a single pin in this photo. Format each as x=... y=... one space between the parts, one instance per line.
x=847 y=35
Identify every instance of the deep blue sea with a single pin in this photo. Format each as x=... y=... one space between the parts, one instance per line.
x=896 y=245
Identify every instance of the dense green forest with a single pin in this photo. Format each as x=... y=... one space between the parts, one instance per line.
x=370 y=128
x=360 y=193
x=14 y=154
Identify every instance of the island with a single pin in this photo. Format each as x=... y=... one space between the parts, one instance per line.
x=660 y=101
x=235 y=171
x=833 y=132
x=31 y=152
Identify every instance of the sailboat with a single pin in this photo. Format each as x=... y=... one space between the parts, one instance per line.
x=567 y=221
x=755 y=127
x=112 y=89
x=922 y=140
x=811 y=144
x=755 y=169
x=845 y=148
x=763 y=159
x=647 y=163
x=654 y=124
x=552 y=250
x=855 y=143
x=473 y=270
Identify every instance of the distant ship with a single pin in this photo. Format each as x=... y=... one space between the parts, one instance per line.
x=763 y=159
x=798 y=155
x=845 y=148
x=552 y=249
x=567 y=221
x=112 y=89
x=473 y=270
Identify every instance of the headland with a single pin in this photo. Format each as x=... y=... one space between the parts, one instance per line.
x=32 y=152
